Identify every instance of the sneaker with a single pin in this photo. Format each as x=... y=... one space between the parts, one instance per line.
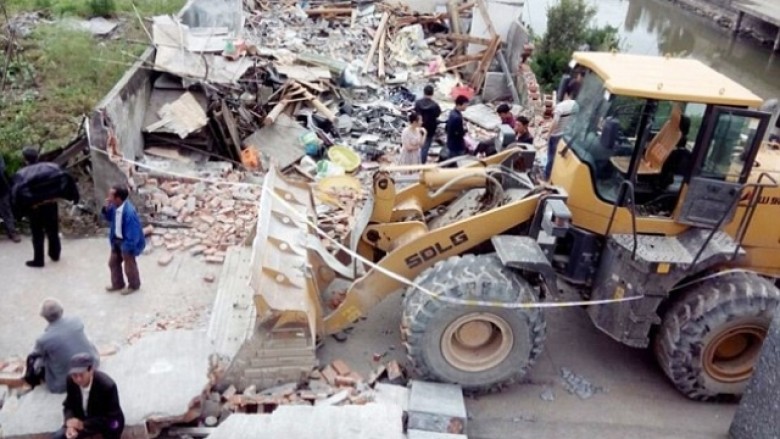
x=111 y=289
x=34 y=264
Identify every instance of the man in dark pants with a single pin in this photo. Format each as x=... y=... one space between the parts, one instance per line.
x=127 y=240
x=456 y=129
x=6 y=213
x=430 y=111
x=36 y=188
x=91 y=406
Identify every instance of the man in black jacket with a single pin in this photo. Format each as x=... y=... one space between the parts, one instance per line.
x=6 y=214
x=35 y=191
x=92 y=405
x=456 y=129
x=430 y=111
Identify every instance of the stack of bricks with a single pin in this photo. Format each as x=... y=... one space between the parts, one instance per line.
x=197 y=217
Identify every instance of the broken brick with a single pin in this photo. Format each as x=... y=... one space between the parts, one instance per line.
x=394 y=372
x=165 y=259
x=330 y=375
x=341 y=367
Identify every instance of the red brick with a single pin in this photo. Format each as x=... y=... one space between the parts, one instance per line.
x=341 y=367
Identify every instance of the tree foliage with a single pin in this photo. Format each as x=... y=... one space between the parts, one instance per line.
x=570 y=26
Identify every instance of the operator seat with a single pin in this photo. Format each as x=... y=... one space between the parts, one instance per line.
x=658 y=149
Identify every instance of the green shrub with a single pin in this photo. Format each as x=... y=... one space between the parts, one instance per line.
x=569 y=26
x=101 y=8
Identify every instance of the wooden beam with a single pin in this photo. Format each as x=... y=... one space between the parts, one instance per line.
x=468 y=39
x=275 y=112
x=329 y=11
x=485 y=16
x=479 y=74
x=467 y=58
x=382 y=39
x=379 y=31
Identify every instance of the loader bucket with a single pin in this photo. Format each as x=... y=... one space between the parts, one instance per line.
x=278 y=345
x=284 y=292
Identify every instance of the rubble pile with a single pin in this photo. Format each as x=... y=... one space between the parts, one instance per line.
x=333 y=385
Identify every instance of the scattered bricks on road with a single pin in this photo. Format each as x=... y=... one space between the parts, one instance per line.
x=376 y=374
x=209 y=278
x=341 y=367
x=394 y=373
x=215 y=259
x=165 y=259
x=356 y=376
x=208 y=219
x=345 y=381
x=335 y=399
x=197 y=250
x=330 y=375
x=148 y=230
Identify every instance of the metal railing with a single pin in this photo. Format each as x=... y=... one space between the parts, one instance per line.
x=750 y=210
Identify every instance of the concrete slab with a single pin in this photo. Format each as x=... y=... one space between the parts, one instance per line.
x=391 y=394
x=420 y=434
x=170 y=296
x=345 y=422
x=437 y=407
x=158 y=377
x=279 y=141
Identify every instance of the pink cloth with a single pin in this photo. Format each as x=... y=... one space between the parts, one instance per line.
x=411 y=141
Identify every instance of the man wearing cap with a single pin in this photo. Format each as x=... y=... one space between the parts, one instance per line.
x=91 y=406
x=62 y=338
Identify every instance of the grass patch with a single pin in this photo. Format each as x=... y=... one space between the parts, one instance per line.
x=57 y=74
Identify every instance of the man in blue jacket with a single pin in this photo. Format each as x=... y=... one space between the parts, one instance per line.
x=127 y=240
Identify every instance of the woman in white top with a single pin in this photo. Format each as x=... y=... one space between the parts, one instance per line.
x=412 y=139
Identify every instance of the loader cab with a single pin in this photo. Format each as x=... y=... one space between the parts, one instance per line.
x=676 y=156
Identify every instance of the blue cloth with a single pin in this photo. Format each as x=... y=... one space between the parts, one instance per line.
x=133 y=240
x=456 y=143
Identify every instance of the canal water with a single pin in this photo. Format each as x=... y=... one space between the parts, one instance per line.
x=658 y=27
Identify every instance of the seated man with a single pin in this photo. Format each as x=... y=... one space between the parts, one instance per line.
x=91 y=406
x=62 y=338
x=505 y=113
x=522 y=132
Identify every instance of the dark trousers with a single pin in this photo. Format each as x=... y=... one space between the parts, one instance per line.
x=6 y=214
x=115 y=262
x=552 y=145
x=427 y=146
x=107 y=433
x=44 y=223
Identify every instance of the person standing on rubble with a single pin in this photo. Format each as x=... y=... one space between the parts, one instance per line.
x=456 y=129
x=127 y=240
x=36 y=188
x=429 y=111
x=412 y=139
x=6 y=213
x=62 y=338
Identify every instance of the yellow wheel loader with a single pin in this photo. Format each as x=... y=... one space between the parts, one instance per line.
x=660 y=211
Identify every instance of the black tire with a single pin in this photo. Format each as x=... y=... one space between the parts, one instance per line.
x=427 y=319
x=737 y=307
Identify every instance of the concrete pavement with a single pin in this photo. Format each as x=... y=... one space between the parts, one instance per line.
x=176 y=292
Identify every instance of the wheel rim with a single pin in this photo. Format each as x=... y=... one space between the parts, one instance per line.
x=476 y=342
x=732 y=354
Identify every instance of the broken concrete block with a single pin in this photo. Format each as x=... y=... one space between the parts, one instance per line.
x=335 y=399
x=165 y=259
x=437 y=407
x=421 y=434
x=390 y=394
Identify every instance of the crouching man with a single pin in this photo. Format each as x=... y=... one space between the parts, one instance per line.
x=91 y=406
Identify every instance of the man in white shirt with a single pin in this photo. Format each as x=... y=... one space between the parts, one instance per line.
x=562 y=115
x=91 y=406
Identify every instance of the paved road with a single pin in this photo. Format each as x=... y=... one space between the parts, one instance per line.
x=176 y=291
x=638 y=402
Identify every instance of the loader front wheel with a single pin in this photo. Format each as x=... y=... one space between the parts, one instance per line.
x=711 y=337
x=481 y=347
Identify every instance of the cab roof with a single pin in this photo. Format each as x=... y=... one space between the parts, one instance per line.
x=665 y=78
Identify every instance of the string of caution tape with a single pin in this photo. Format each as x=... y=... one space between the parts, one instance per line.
x=389 y=273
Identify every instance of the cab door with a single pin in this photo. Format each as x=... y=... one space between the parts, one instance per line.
x=722 y=163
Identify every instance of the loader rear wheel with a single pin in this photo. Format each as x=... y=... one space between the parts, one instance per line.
x=711 y=337
x=482 y=348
